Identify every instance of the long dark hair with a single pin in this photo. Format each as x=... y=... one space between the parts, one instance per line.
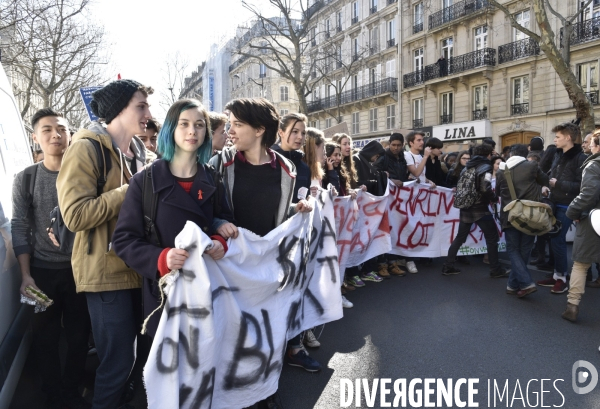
x=458 y=167
x=330 y=147
x=348 y=163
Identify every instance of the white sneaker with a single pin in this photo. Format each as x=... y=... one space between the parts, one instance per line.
x=346 y=303
x=310 y=340
x=412 y=268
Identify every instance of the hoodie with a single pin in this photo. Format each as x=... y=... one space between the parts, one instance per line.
x=367 y=174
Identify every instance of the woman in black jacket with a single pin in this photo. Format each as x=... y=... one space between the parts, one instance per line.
x=454 y=172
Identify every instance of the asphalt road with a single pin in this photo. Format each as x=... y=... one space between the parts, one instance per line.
x=427 y=325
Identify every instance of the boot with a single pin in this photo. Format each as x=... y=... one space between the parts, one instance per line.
x=395 y=269
x=571 y=312
x=383 y=271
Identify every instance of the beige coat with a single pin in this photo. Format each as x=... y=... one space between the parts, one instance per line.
x=96 y=267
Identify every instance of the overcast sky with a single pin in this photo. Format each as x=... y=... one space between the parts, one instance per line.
x=144 y=34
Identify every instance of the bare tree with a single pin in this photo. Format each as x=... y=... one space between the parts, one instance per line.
x=558 y=55
x=174 y=78
x=282 y=43
x=55 y=50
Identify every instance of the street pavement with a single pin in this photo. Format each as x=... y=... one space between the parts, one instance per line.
x=426 y=325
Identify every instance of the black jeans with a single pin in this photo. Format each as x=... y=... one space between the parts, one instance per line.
x=490 y=232
x=70 y=308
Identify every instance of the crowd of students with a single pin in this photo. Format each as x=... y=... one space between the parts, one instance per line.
x=246 y=168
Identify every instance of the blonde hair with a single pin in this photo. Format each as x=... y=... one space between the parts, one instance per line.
x=348 y=163
x=314 y=139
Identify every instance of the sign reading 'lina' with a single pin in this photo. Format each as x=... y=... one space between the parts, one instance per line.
x=463 y=130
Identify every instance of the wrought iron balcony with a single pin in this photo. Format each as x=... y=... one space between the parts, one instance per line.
x=480 y=114
x=354 y=57
x=391 y=42
x=455 y=11
x=338 y=29
x=485 y=57
x=354 y=20
x=417 y=123
x=262 y=75
x=587 y=30
x=417 y=28
x=313 y=43
x=373 y=10
x=518 y=49
x=327 y=34
x=391 y=2
x=593 y=97
x=374 y=49
x=314 y=8
x=338 y=64
x=239 y=62
x=519 y=109
x=384 y=86
x=446 y=119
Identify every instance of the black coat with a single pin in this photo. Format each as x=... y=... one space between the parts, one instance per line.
x=566 y=169
x=302 y=169
x=174 y=208
x=434 y=172
x=367 y=174
x=395 y=166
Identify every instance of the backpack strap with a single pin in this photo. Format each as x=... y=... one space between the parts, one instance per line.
x=511 y=186
x=150 y=204
x=27 y=189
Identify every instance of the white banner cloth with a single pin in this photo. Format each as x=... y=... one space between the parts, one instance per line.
x=222 y=334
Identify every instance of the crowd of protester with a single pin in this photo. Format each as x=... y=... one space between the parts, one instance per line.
x=119 y=256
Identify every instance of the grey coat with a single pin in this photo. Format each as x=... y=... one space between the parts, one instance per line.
x=586 y=247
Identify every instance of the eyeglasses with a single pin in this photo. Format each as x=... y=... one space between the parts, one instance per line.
x=465 y=158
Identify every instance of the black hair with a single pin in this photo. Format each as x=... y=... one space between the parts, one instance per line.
x=489 y=141
x=397 y=137
x=42 y=113
x=519 y=149
x=483 y=150
x=258 y=113
x=434 y=143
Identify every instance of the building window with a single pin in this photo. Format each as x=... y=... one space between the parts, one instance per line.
x=339 y=22
x=418 y=59
x=391 y=33
x=283 y=112
x=373 y=120
x=417 y=113
x=373 y=6
x=263 y=71
x=390 y=68
x=328 y=123
x=418 y=18
x=446 y=108
x=283 y=93
x=520 y=96
x=313 y=36
x=313 y=124
x=327 y=28
x=448 y=47
x=481 y=37
x=355 y=123
x=355 y=12
x=390 y=117
x=374 y=40
x=355 y=49
x=480 y=102
x=523 y=19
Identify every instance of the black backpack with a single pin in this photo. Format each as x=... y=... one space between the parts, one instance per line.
x=64 y=236
x=150 y=201
x=466 y=194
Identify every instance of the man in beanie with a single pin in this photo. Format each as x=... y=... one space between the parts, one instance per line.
x=112 y=289
x=536 y=146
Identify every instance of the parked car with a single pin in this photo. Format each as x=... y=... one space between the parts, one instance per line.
x=15 y=332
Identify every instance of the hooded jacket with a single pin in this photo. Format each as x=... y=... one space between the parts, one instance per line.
x=302 y=169
x=527 y=178
x=484 y=186
x=367 y=174
x=395 y=166
x=566 y=169
x=587 y=242
x=93 y=218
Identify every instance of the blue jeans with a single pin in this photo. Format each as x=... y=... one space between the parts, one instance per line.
x=518 y=247
x=115 y=322
x=559 y=243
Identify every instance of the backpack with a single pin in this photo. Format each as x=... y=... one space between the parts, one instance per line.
x=528 y=216
x=466 y=194
x=63 y=235
x=150 y=201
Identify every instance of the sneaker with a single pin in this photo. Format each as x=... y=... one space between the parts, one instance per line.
x=559 y=287
x=526 y=291
x=348 y=287
x=383 y=272
x=310 y=340
x=449 y=269
x=302 y=360
x=372 y=276
x=511 y=291
x=346 y=303
x=499 y=273
x=356 y=281
x=549 y=282
x=412 y=268
x=486 y=259
x=396 y=270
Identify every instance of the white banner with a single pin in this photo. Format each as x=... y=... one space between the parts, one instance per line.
x=222 y=335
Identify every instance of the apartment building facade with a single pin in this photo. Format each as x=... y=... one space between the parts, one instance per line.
x=355 y=43
x=467 y=74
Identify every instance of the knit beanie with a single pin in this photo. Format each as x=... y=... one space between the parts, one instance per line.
x=537 y=144
x=109 y=101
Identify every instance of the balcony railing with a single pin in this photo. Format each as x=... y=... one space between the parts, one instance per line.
x=327 y=34
x=391 y=42
x=480 y=114
x=518 y=49
x=587 y=30
x=374 y=49
x=366 y=91
x=446 y=119
x=373 y=10
x=354 y=20
x=454 y=65
x=313 y=43
x=417 y=123
x=262 y=75
x=593 y=97
x=519 y=109
x=338 y=64
x=354 y=57
x=417 y=28
x=338 y=29
x=394 y=1
x=455 y=11
x=239 y=62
